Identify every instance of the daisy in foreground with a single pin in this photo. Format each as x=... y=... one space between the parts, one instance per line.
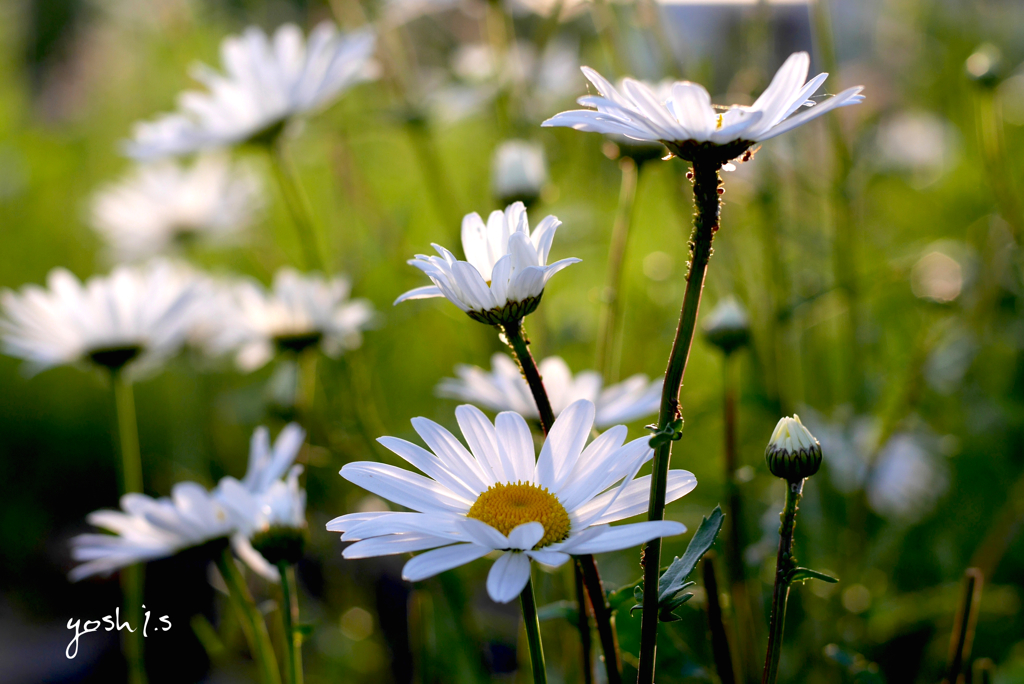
x=504 y=389
x=505 y=271
x=498 y=497
x=685 y=121
x=267 y=82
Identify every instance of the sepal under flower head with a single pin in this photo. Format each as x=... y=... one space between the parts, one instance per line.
x=727 y=326
x=793 y=453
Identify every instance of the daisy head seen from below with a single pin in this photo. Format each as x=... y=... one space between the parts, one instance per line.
x=505 y=271
x=134 y=318
x=266 y=81
x=497 y=496
x=166 y=206
x=682 y=117
x=300 y=311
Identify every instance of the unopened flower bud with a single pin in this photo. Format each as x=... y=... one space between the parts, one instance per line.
x=727 y=326
x=519 y=172
x=281 y=544
x=793 y=453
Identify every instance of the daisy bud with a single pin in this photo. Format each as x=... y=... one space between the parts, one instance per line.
x=727 y=326
x=281 y=543
x=983 y=66
x=519 y=172
x=793 y=453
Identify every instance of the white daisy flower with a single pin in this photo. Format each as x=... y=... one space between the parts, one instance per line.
x=505 y=270
x=136 y=316
x=496 y=496
x=148 y=529
x=160 y=206
x=686 y=117
x=266 y=82
x=504 y=389
x=300 y=311
x=268 y=505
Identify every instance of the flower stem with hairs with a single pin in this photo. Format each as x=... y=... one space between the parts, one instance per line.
x=131 y=482
x=587 y=564
x=706 y=182
x=253 y=625
x=784 y=564
x=532 y=621
x=289 y=618
x=298 y=206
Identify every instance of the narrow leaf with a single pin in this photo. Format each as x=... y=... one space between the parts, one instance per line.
x=801 y=574
x=674 y=578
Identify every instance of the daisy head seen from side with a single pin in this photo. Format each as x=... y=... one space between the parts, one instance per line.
x=505 y=271
x=134 y=318
x=497 y=497
x=300 y=311
x=682 y=117
x=266 y=81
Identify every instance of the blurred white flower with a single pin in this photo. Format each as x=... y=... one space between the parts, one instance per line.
x=300 y=311
x=265 y=83
x=268 y=497
x=727 y=326
x=505 y=270
x=501 y=497
x=687 y=115
x=504 y=389
x=148 y=529
x=906 y=480
x=135 y=317
x=519 y=171
x=917 y=142
x=937 y=276
x=160 y=206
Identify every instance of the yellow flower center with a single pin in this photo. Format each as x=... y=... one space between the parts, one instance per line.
x=719 y=124
x=507 y=506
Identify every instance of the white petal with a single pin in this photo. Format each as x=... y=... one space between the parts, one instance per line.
x=437 y=561
x=552 y=559
x=624 y=537
x=516 y=441
x=634 y=498
x=508 y=576
x=524 y=537
x=425 y=292
x=482 y=440
x=564 y=444
x=404 y=488
x=391 y=544
x=430 y=465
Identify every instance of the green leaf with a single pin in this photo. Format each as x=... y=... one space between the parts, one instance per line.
x=559 y=610
x=802 y=574
x=674 y=578
x=620 y=596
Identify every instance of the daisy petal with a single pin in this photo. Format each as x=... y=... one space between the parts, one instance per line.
x=437 y=561
x=508 y=576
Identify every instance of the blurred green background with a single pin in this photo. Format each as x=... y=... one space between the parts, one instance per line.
x=825 y=238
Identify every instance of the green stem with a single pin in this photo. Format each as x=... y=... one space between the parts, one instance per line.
x=253 y=624
x=705 y=224
x=592 y=579
x=719 y=638
x=532 y=621
x=516 y=337
x=962 y=637
x=784 y=564
x=298 y=206
x=131 y=482
x=604 y=617
x=583 y=624
x=611 y=309
x=289 y=617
